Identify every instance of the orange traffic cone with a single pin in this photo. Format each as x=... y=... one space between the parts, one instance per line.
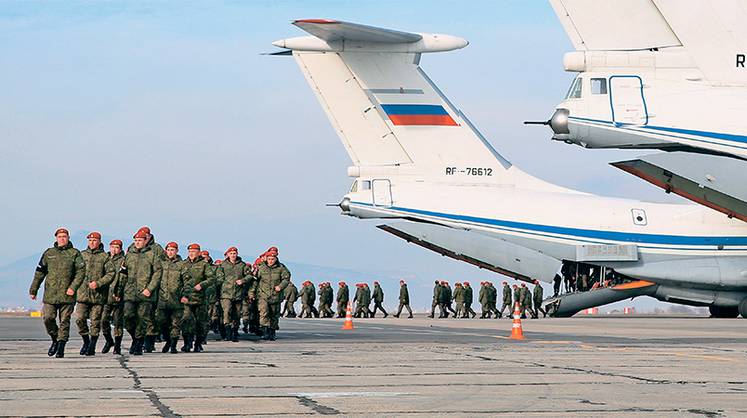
x=516 y=331
x=348 y=318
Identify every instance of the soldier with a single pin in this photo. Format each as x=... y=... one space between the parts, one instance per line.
x=436 y=299
x=249 y=311
x=330 y=298
x=113 y=310
x=378 y=299
x=195 y=319
x=458 y=298
x=517 y=296
x=525 y=296
x=404 y=299
x=236 y=275
x=538 y=296
x=312 y=301
x=493 y=296
x=323 y=307
x=173 y=294
x=152 y=332
x=468 y=299
x=63 y=269
x=484 y=301
x=556 y=285
x=446 y=297
x=271 y=279
x=343 y=297
x=212 y=300
x=362 y=300
x=92 y=294
x=306 y=300
x=141 y=271
x=291 y=296
x=506 y=301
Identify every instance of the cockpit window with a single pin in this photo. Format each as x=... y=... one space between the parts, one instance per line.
x=354 y=187
x=575 y=91
x=598 y=86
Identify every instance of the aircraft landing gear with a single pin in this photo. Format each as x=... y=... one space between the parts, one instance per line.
x=725 y=311
x=743 y=308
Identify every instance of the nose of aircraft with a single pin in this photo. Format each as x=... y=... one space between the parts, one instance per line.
x=559 y=122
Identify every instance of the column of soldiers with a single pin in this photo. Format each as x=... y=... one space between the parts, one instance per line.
x=154 y=294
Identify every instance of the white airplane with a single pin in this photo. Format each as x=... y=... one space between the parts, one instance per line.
x=422 y=167
x=662 y=74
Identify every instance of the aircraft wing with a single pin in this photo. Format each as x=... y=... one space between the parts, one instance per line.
x=336 y=30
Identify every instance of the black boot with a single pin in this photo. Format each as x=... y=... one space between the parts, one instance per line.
x=198 y=346
x=273 y=337
x=52 y=348
x=148 y=344
x=133 y=344
x=117 y=345
x=235 y=335
x=187 y=347
x=265 y=333
x=166 y=345
x=60 y=352
x=92 y=346
x=174 y=342
x=225 y=333
x=108 y=344
x=138 y=347
x=84 y=348
x=246 y=327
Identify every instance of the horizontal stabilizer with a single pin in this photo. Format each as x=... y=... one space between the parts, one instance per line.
x=710 y=180
x=336 y=30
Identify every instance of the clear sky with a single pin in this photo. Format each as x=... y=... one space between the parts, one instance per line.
x=120 y=114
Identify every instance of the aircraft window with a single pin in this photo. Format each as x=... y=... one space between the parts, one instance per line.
x=598 y=86
x=575 y=90
x=366 y=185
x=354 y=187
x=639 y=217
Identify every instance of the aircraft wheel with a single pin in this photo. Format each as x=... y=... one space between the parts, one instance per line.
x=724 y=311
x=743 y=308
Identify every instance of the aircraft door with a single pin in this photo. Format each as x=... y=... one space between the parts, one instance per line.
x=627 y=102
x=382 y=192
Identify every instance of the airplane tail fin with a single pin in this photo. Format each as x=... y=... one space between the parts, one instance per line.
x=385 y=109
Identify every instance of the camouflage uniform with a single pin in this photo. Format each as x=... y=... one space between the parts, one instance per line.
x=232 y=294
x=141 y=270
x=290 y=295
x=378 y=299
x=492 y=304
x=160 y=254
x=484 y=300
x=537 y=297
x=458 y=297
x=60 y=268
x=175 y=283
x=526 y=301
x=506 y=300
x=437 y=288
x=343 y=297
x=468 y=299
x=214 y=308
x=268 y=299
x=362 y=300
x=195 y=319
x=91 y=301
x=404 y=300
x=113 y=310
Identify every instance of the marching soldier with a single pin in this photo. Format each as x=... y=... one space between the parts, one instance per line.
x=446 y=300
x=362 y=300
x=235 y=275
x=526 y=301
x=458 y=298
x=506 y=300
x=92 y=294
x=484 y=301
x=307 y=300
x=271 y=279
x=517 y=296
x=212 y=300
x=324 y=301
x=468 y=298
x=195 y=319
x=343 y=297
x=436 y=299
x=538 y=297
x=329 y=296
x=493 y=297
x=141 y=271
x=173 y=294
x=63 y=269
x=113 y=310
x=404 y=299
x=152 y=332
x=291 y=296
x=378 y=299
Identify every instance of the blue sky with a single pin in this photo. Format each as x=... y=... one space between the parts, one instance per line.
x=120 y=114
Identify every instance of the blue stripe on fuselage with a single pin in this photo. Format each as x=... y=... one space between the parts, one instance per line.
x=583 y=234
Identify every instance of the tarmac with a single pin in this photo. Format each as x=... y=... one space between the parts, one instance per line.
x=585 y=366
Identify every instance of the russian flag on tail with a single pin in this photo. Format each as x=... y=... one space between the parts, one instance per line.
x=418 y=114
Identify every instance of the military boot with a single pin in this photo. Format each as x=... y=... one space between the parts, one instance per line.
x=265 y=333
x=138 y=347
x=148 y=343
x=60 y=349
x=108 y=344
x=235 y=334
x=272 y=337
x=117 y=345
x=225 y=333
x=246 y=327
x=52 y=348
x=166 y=345
x=174 y=342
x=198 y=346
x=84 y=348
x=92 y=346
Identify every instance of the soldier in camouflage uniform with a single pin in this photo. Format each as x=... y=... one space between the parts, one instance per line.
x=152 y=331
x=343 y=297
x=483 y=298
x=537 y=296
x=323 y=307
x=212 y=300
x=62 y=270
x=173 y=293
x=271 y=279
x=506 y=301
x=362 y=301
x=378 y=300
x=468 y=299
x=290 y=295
x=236 y=276
x=525 y=296
x=436 y=299
x=195 y=319
x=404 y=299
x=517 y=297
x=141 y=271
x=458 y=298
x=113 y=310
x=493 y=299
x=92 y=294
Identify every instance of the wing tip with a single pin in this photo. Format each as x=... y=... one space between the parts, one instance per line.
x=316 y=21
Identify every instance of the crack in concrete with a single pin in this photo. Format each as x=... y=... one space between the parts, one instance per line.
x=164 y=410
x=316 y=406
